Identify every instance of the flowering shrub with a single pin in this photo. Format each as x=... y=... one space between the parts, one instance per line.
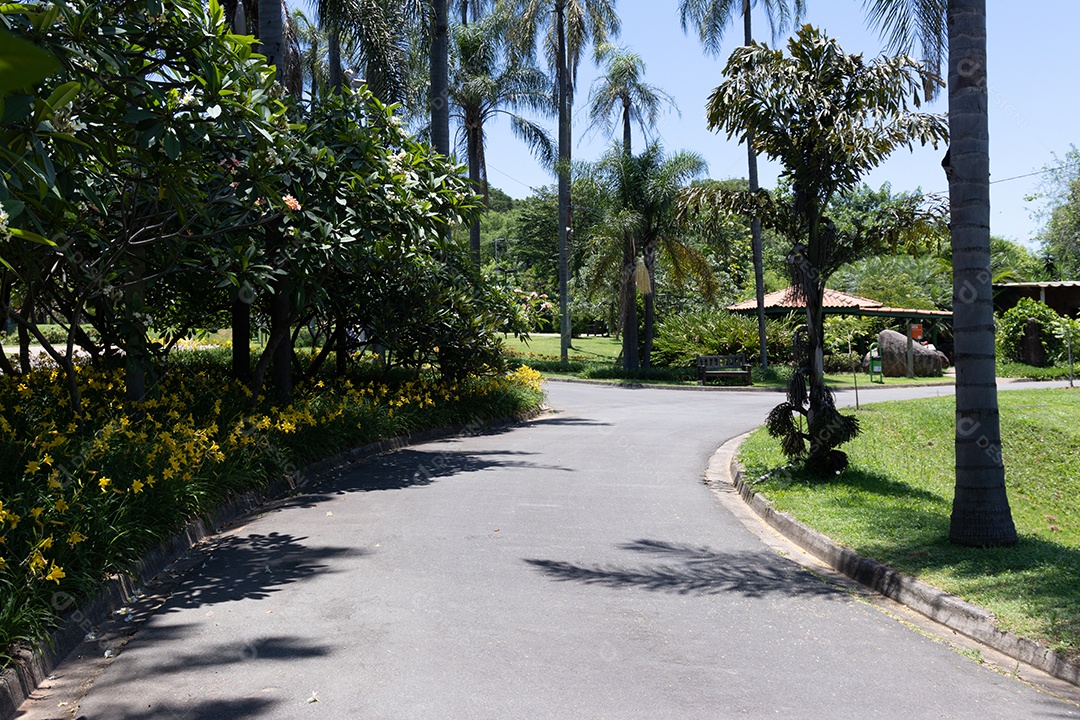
x=80 y=501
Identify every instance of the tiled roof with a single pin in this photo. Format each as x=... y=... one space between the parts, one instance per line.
x=789 y=299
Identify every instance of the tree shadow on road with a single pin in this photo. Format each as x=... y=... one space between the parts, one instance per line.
x=694 y=570
x=413 y=468
x=253 y=566
x=205 y=710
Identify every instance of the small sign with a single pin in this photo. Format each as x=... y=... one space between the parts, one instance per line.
x=916 y=331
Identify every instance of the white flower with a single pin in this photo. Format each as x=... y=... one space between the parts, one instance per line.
x=76 y=125
x=3 y=222
x=188 y=98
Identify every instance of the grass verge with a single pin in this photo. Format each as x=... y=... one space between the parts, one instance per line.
x=893 y=505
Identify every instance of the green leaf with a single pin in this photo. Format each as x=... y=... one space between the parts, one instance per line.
x=31 y=236
x=22 y=63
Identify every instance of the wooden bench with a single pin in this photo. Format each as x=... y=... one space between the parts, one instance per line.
x=723 y=366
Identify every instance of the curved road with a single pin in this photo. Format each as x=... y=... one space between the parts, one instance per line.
x=571 y=568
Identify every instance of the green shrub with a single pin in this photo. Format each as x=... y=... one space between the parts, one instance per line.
x=1010 y=330
x=681 y=338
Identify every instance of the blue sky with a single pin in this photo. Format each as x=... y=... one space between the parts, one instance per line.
x=1033 y=103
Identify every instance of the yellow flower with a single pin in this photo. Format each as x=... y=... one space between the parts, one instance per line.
x=47 y=460
x=3 y=563
x=32 y=467
x=75 y=537
x=46 y=543
x=36 y=512
x=136 y=487
x=37 y=560
x=55 y=573
x=104 y=483
x=61 y=505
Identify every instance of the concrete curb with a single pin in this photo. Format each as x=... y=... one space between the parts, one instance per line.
x=33 y=666
x=941 y=607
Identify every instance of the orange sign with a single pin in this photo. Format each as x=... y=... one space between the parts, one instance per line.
x=916 y=331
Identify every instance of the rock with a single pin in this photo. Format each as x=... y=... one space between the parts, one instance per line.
x=929 y=361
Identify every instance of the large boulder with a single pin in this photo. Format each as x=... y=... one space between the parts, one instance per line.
x=929 y=361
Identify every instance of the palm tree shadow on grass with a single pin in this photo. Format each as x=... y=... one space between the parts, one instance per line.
x=911 y=534
x=693 y=570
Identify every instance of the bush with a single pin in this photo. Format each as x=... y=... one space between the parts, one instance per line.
x=681 y=338
x=1010 y=331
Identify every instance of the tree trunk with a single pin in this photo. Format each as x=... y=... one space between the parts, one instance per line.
x=980 y=513
x=755 y=223
x=341 y=346
x=650 y=306
x=563 y=79
x=626 y=137
x=280 y=320
x=628 y=303
x=271 y=38
x=333 y=60
x=241 y=338
x=477 y=186
x=440 y=107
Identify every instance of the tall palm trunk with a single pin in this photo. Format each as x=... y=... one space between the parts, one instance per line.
x=271 y=34
x=629 y=305
x=440 y=94
x=980 y=513
x=755 y=223
x=650 y=307
x=563 y=79
x=473 y=129
x=333 y=59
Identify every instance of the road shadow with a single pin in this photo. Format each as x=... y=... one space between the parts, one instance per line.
x=412 y=468
x=692 y=570
x=280 y=648
x=561 y=421
x=252 y=567
x=205 y=710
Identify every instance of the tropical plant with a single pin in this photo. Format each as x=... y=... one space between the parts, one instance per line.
x=829 y=118
x=621 y=90
x=1060 y=235
x=711 y=18
x=1012 y=327
x=564 y=28
x=485 y=84
x=640 y=193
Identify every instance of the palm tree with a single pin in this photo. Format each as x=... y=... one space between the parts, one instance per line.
x=565 y=27
x=980 y=515
x=641 y=193
x=622 y=90
x=378 y=29
x=711 y=17
x=850 y=115
x=484 y=86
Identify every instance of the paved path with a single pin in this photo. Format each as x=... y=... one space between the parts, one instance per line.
x=572 y=568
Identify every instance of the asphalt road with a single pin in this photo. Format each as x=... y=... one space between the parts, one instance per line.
x=572 y=568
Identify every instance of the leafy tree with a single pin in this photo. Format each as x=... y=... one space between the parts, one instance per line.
x=829 y=118
x=711 y=18
x=111 y=165
x=564 y=27
x=1059 y=237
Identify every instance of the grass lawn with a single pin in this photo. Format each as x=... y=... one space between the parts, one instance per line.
x=592 y=347
x=893 y=505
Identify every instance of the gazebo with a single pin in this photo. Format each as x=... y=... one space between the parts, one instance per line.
x=782 y=302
